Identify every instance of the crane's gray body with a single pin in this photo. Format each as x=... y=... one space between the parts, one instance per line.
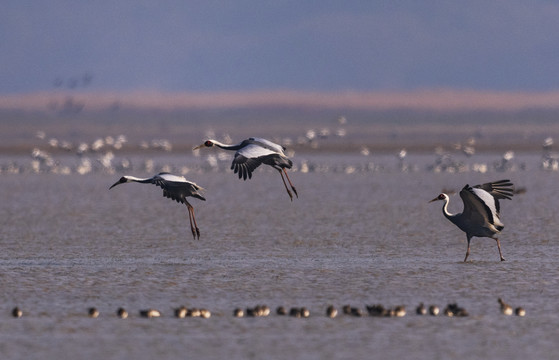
x=253 y=152
x=174 y=187
x=481 y=214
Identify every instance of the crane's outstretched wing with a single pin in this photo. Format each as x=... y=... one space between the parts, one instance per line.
x=248 y=158
x=177 y=187
x=502 y=189
x=267 y=144
x=480 y=206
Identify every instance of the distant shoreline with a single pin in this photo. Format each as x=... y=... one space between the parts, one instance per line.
x=430 y=99
x=365 y=120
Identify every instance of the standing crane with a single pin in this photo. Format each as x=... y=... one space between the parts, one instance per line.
x=481 y=210
x=253 y=152
x=175 y=188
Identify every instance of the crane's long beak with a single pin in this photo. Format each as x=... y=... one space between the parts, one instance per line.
x=198 y=147
x=116 y=183
x=435 y=199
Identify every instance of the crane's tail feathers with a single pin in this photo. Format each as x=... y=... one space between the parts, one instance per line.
x=198 y=192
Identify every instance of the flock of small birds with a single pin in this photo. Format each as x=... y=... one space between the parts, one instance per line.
x=102 y=155
x=376 y=310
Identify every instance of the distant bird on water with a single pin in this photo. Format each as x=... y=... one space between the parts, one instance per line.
x=481 y=210
x=505 y=308
x=175 y=188
x=253 y=152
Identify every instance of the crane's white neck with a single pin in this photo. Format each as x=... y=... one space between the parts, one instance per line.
x=226 y=146
x=445 y=207
x=133 y=178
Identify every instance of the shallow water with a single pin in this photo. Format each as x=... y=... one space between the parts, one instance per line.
x=352 y=237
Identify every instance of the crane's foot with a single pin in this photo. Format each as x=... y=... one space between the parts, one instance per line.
x=502 y=258
x=290 y=194
x=295 y=191
x=195 y=233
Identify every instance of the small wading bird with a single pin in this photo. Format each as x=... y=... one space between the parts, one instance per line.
x=175 y=188
x=253 y=152
x=481 y=210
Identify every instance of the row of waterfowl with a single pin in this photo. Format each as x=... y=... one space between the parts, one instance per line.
x=99 y=156
x=109 y=142
x=376 y=310
x=109 y=163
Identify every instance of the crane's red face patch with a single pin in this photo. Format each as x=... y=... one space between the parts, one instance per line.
x=208 y=143
x=440 y=197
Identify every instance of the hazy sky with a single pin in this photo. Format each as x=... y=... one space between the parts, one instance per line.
x=265 y=45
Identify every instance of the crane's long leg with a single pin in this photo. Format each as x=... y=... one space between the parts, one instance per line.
x=293 y=187
x=193 y=225
x=468 y=251
x=499 y=247
x=285 y=184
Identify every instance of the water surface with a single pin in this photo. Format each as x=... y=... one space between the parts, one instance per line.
x=361 y=232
